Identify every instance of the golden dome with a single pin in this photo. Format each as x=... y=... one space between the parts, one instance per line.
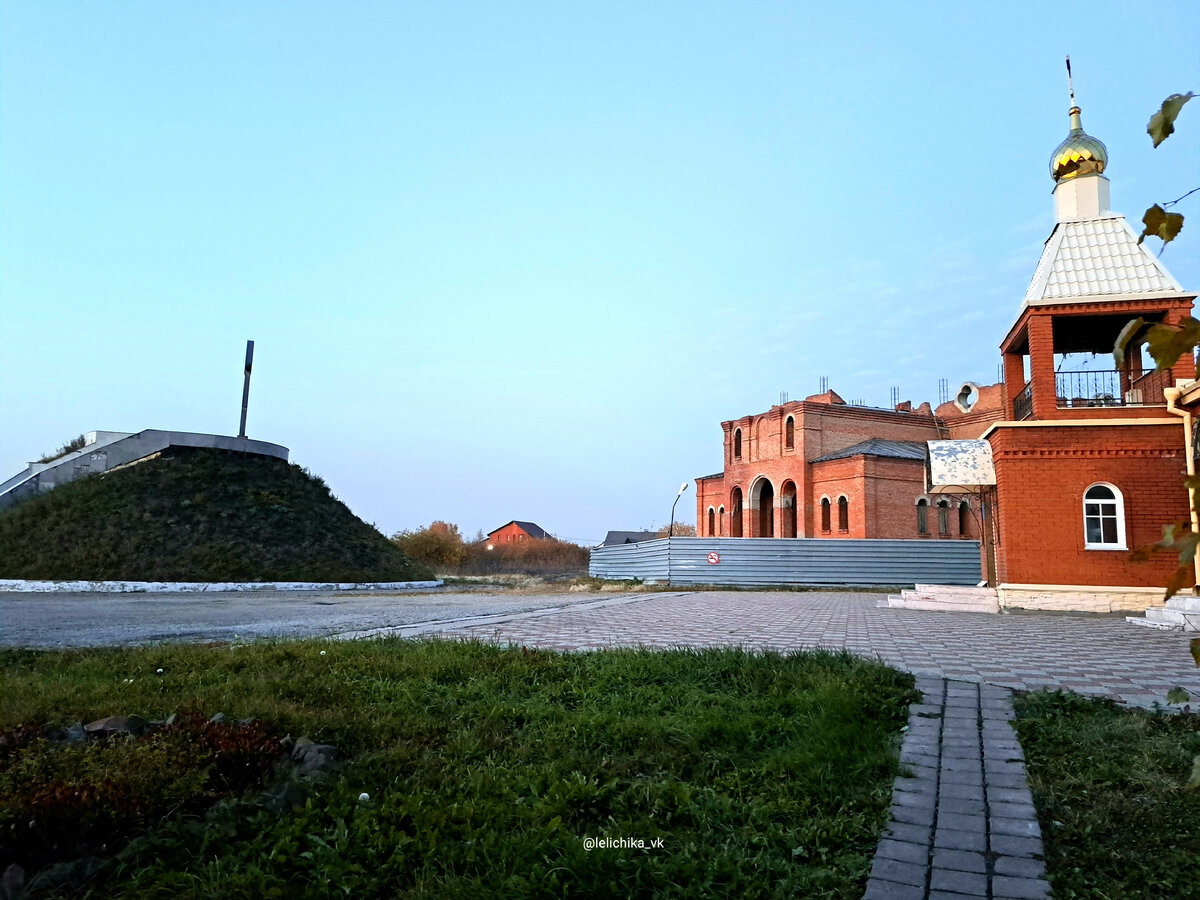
x=1079 y=154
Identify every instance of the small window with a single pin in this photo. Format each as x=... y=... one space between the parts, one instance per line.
x=712 y=521
x=922 y=516
x=943 y=517
x=964 y=518
x=825 y=525
x=1103 y=518
x=789 y=434
x=843 y=514
x=737 y=444
x=721 y=522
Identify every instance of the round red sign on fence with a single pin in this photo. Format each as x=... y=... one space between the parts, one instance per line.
x=713 y=559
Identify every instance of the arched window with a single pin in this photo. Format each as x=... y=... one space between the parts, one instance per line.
x=825 y=524
x=789 y=434
x=712 y=521
x=735 y=513
x=843 y=514
x=737 y=444
x=1103 y=518
x=721 y=521
x=922 y=516
x=964 y=518
x=943 y=517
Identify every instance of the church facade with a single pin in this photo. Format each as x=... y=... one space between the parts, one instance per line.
x=823 y=468
x=1088 y=462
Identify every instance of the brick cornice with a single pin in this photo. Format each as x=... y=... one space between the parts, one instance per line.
x=1077 y=453
x=1080 y=423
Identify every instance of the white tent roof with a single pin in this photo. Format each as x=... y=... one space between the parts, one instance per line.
x=1097 y=258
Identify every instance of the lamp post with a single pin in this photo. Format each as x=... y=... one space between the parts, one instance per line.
x=671 y=530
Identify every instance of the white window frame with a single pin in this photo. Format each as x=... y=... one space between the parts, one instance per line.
x=1119 y=503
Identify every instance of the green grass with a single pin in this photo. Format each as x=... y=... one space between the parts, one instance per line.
x=1107 y=783
x=197 y=515
x=765 y=775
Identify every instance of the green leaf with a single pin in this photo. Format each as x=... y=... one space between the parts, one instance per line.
x=1162 y=224
x=1162 y=123
x=1184 y=576
x=1187 y=548
x=1121 y=347
x=1167 y=343
x=1178 y=695
x=1194 y=781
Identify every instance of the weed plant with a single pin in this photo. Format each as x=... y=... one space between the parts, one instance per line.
x=486 y=768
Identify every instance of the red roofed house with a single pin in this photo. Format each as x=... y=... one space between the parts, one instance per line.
x=515 y=531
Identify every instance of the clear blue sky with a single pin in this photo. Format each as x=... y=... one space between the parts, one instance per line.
x=519 y=261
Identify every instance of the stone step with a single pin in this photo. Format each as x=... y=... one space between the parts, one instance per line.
x=1174 y=618
x=1151 y=623
x=949 y=597
x=955 y=589
x=1182 y=613
x=945 y=606
x=1184 y=603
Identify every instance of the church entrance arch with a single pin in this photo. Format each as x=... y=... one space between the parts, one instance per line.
x=762 y=501
x=787 y=503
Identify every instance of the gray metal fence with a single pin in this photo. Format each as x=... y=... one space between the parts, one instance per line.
x=799 y=561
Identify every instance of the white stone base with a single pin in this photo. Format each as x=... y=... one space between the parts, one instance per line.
x=1079 y=597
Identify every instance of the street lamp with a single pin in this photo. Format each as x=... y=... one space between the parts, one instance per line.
x=671 y=530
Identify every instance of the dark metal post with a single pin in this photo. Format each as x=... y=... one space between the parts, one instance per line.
x=671 y=530
x=246 y=386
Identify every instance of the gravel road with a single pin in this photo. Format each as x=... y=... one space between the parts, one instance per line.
x=88 y=620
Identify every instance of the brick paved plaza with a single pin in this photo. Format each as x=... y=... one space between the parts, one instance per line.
x=962 y=823
x=1090 y=654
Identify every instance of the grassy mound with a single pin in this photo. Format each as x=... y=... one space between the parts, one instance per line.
x=197 y=515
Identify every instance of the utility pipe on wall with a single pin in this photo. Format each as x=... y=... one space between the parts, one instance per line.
x=1172 y=396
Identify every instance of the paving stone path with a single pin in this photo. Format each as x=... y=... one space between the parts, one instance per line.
x=1090 y=654
x=962 y=820
x=962 y=823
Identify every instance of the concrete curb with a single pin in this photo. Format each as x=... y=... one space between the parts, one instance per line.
x=18 y=585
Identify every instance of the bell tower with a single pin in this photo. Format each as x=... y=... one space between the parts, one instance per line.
x=1094 y=276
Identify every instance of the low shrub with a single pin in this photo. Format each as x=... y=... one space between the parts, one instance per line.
x=76 y=443
x=441 y=547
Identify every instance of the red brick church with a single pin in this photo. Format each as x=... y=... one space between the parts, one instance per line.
x=1088 y=461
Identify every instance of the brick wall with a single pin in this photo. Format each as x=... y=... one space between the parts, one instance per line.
x=818 y=428
x=1042 y=473
x=510 y=533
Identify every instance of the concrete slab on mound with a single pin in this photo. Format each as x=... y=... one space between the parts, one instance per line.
x=189 y=587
